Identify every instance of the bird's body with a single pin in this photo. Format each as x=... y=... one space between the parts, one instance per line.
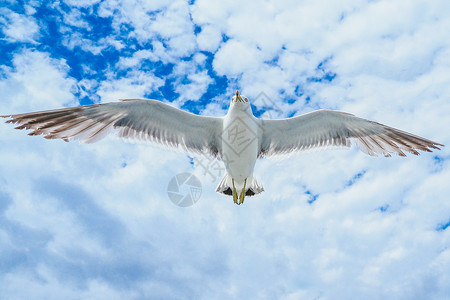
x=239 y=143
x=238 y=139
x=240 y=132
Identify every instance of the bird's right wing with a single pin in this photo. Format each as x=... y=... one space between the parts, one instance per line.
x=133 y=118
x=333 y=128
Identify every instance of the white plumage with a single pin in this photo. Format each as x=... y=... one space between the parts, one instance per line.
x=238 y=139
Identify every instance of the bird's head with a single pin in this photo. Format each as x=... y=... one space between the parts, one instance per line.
x=239 y=99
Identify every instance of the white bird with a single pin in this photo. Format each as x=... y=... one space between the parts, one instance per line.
x=239 y=138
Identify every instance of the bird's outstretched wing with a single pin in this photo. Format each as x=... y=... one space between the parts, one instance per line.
x=333 y=128
x=142 y=119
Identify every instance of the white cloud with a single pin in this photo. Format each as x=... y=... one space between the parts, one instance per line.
x=136 y=59
x=134 y=13
x=152 y=20
x=76 y=39
x=191 y=83
x=235 y=57
x=18 y=28
x=161 y=53
x=209 y=38
x=198 y=85
x=400 y=54
x=75 y=18
x=36 y=82
x=135 y=85
x=81 y=3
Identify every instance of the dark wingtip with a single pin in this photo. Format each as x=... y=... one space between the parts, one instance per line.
x=227 y=192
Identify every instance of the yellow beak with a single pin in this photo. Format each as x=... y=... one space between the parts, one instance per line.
x=239 y=98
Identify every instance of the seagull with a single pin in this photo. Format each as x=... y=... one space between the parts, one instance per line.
x=238 y=138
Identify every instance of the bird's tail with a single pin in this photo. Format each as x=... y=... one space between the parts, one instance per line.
x=226 y=186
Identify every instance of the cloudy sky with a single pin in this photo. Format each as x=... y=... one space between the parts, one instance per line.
x=95 y=221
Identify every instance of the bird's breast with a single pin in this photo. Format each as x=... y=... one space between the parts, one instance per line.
x=240 y=144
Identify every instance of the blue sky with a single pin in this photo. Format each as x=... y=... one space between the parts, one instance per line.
x=95 y=221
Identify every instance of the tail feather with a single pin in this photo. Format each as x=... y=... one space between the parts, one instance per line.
x=226 y=186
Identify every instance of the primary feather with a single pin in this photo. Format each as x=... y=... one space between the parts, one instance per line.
x=323 y=128
x=142 y=119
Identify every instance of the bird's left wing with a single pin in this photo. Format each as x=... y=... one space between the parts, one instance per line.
x=333 y=128
x=142 y=119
